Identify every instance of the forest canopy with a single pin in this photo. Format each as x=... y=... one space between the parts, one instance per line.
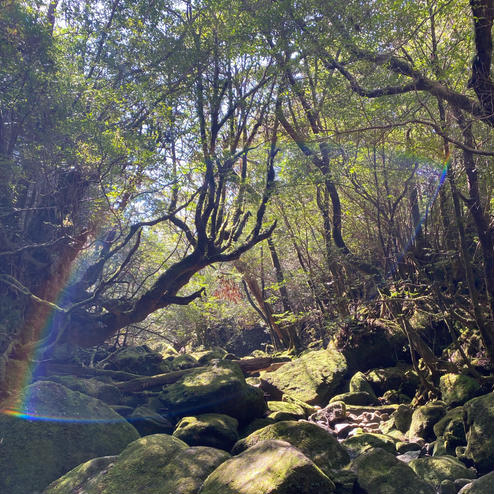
x=167 y=167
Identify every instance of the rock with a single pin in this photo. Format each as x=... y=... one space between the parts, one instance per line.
x=330 y=413
x=478 y=420
x=308 y=409
x=67 y=429
x=220 y=388
x=379 y=472
x=402 y=418
x=404 y=447
x=182 y=362
x=447 y=487
x=483 y=485
x=157 y=464
x=400 y=379
x=423 y=420
x=138 y=360
x=395 y=397
x=359 y=382
x=355 y=398
x=211 y=429
x=207 y=356
x=312 y=378
x=148 y=422
x=108 y=393
x=450 y=433
x=363 y=442
x=409 y=456
x=317 y=444
x=344 y=481
x=281 y=410
x=269 y=467
x=436 y=469
x=457 y=389
x=255 y=425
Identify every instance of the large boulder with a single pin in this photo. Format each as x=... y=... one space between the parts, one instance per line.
x=220 y=388
x=359 y=443
x=400 y=379
x=450 y=432
x=380 y=472
x=359 y=382
x=435 y=470
x=138 y=360
x=456 y=389
x=355 y=398
x=423 y=420
x=269 y=467
x=56 y=430
x=148 y=422
x=312 y=378
x=478 y=420
x=482 y=485
x=106 y=392
x=211 y=429
x=316 y=443
x=157 y=464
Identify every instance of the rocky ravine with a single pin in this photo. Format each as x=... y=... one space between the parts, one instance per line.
x=207 y=429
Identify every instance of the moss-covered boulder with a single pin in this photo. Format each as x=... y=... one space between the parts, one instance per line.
x=158 y=464
x=457 y=389
x=282 y=410
x=211 y=429
x=148 y=422
x=402 y=418
x=436 y=469
x=60 y=429
x=423 y=420
x=478 y=422
x=138 y=360
x=312 y=378
x=320 y=446
x=359 y=443
x=379 y=472
x=106 y=392
x=401 y=379
x=450 y=432
x=181 y=362
x=207 y=356
x=482 y=485
x=359 y=382
x=255 y=425
x=355 y=398
x=269 y=467
x=220 y=388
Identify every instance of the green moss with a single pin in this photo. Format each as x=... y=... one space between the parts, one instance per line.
x=212 y=429
x=379 y=472
x=34 y=453
x=478 y=420
x=158 y=464
x=457 y=389
x=270 y=467
x=423 y=420
x=281 y=410
x=317 y=444
x=312 y=378
x=355 y=398
x=436 y=469
x=359 y=382
x=363 y=442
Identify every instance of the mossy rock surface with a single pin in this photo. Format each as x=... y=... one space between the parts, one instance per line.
x=181 y=362
x=108 y=393
x=75 y=428
x=269 y=467
x=401 y=379
x=282 y=410
x=355 y=398
x=359 y=382
x=450 y=432
x=436 y=469
x=138 y=360
x=380 y=472
x=402 y=417
x=312 y=378
x=423 y=420
x=482 y=485
x=363 y=442
x=220 y=388
x=317 y=444
x=457 y=389
x=255 y=425
x=207 y=356
x=157 y=464
x=478 y=421
x=211 y=429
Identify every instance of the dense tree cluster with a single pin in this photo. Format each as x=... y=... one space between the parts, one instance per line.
x=343 y=149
